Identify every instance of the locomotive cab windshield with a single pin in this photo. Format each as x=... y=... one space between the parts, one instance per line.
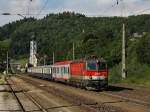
x=96 y=65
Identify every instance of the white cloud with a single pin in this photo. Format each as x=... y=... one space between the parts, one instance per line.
x=102 y=7
x=88 y=7
x=24 y=7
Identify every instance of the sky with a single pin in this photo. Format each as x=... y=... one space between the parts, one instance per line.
x=98 y=8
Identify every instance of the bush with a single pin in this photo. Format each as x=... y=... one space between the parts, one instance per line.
x=143 y=50
x=115 y=74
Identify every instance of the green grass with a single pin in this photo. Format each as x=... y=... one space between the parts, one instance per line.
x=22 y=61
x=142 y=77
x=2 y=79
x=137 y=73
x=6 y=42
x=136 y=76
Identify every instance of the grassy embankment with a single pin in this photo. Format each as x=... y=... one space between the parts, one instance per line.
x=21 y=61
x=2 y=79
x=137 y=73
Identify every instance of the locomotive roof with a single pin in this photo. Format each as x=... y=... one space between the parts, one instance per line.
x=63 y=62
x=68 y=62
x=77 y=61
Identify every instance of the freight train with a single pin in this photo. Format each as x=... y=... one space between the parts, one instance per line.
x=86 y=73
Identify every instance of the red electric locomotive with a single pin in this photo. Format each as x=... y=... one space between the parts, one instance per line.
x=87 y=73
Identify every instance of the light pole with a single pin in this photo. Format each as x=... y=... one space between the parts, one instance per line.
x=53 y=57
x=7 y=61
x=73 y=51
x=7 y=14
x=124 y=75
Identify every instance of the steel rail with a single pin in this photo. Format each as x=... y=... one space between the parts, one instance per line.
x=136 y=101
x=41 y=108
x=13 y=92
x=92 y=106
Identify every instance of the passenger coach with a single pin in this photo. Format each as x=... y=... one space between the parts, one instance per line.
x=41 y=72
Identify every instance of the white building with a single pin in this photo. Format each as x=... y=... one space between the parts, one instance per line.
x=33 y=52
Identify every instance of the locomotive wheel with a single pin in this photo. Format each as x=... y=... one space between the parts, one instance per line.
x=88 y=88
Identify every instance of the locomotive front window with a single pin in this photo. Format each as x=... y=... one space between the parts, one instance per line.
x=91 y=66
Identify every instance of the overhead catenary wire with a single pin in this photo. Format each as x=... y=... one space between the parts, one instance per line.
x=124 y=9
x=28 y=8
x=46 y=2
x=109 y=8
x=20 y=14
x=139 y=12
x=116 y=3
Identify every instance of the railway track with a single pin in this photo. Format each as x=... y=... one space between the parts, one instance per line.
x=16 y=97
x=85 y=102
x=127 y=99
x=90 y=103
x=130 y=94
x=10 y=83
x=125 y=95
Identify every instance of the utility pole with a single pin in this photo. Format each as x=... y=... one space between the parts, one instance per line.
x=123 y=53
x=53 y=57
x=7 y=64
x=73 y=52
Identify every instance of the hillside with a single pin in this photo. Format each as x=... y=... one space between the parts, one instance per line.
x=92 y=35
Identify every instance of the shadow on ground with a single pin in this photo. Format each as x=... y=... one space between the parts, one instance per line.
x=117 y=88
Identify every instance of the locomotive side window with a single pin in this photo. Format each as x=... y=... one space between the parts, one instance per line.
x=101 y=66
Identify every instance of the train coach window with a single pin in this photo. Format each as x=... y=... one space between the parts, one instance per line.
x=66 y=70
x=62 y=70
x=57 y=70
x=50 y=70
x=54 y=70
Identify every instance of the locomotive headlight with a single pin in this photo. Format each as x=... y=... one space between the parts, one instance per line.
x=91 y=77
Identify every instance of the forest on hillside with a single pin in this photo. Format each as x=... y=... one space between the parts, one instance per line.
x=100 y=36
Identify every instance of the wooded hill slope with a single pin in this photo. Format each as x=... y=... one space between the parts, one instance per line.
x=100 y=36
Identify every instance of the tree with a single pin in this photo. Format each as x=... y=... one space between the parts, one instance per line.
x=4 y=46
x=143 y=50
